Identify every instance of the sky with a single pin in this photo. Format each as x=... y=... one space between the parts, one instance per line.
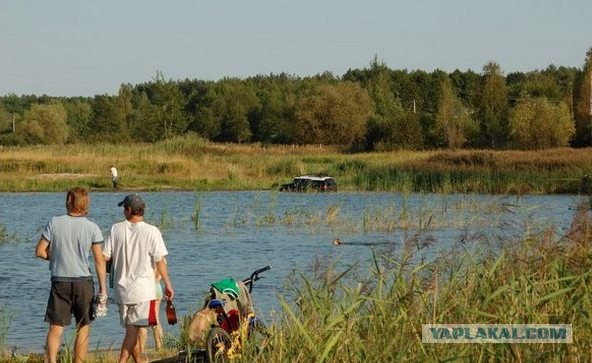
x=90 y=47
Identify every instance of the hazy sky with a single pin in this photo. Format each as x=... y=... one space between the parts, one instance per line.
x=89 y=47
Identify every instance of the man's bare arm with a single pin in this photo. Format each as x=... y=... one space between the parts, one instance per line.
x=42 y=250
x=161 y=266
x=100 y=266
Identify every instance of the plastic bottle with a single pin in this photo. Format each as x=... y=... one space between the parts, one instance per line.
x=100 y=306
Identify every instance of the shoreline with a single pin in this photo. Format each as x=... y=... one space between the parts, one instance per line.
x=94 y=355
x=238 y=167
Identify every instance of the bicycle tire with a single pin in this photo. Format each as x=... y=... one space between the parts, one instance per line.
x=218 y=343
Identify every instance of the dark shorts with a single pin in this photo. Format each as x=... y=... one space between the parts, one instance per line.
x=70 y=298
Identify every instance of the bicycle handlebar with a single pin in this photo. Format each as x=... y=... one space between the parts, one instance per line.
x=263 y=269
x=255 y=276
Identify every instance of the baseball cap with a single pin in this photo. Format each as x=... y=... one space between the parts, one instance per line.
x=134 y=201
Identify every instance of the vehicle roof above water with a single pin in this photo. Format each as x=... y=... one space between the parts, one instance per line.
x=314 y=177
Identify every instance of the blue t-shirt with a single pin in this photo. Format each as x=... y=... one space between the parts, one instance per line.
x=70 y=241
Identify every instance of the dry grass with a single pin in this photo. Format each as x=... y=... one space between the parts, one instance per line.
x=191 y=163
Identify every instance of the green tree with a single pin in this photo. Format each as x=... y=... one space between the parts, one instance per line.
x=15 y=106
x=78 y=116
x=169 y=100
x=225 y=114
x=19 y=104
x=391 y=126
x=267 y=123
x=107 y=122
x=170 y=106
x=45 y=124
x=492 y=107
x=385 y=101
x=583 y=103
x=236 y=103
x=333 y=114
x=195 y=93
x=145 y=124
x=125 y=98
x=538 y=124
x=5 y=120
x=420 y=105
x=274 y=119
x=388 y=111
x=453 y=119
x=205 y=122
x=465 y=84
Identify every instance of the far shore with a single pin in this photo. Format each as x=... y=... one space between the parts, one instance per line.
x=187 y=164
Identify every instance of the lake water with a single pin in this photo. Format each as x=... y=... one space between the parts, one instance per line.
x=239 y=232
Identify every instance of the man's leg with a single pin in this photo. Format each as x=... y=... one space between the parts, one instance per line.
x=157 y=329
x=130 y=346
x=157 y=332
x=81 y=344
x=142 y=336
x=52 y=344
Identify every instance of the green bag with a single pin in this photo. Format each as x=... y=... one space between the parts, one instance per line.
x=228 y=287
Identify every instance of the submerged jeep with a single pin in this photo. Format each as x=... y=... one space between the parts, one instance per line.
x=307 y=183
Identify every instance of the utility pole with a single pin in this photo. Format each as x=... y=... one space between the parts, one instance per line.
x=13 y=124
x=571 y=100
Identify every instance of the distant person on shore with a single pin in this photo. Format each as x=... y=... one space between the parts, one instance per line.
x=114 y=177
x=66 y=243
x=135 y=249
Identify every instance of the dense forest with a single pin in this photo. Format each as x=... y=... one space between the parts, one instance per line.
x=370 y=109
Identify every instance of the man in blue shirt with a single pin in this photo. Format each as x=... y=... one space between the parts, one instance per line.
x=66 y=243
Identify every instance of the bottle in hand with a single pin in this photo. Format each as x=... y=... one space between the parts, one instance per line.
x=171 y=313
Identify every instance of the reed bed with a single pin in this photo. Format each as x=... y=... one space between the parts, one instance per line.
x=374 y=313
x=191 y=163
x=348 y=314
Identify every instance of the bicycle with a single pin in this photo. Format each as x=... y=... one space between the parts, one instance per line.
x=217 y=331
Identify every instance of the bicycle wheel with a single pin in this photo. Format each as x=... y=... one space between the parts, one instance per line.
x=217 y=345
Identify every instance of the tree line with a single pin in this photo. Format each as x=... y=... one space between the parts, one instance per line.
x=370 y=109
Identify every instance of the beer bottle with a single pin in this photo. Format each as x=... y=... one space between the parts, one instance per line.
x=171 y=313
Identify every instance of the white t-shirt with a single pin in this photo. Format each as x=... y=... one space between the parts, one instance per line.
x=133 y=249
x=113 y=172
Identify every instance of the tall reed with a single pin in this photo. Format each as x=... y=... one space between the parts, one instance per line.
x=197 y=205
x=4 y=326
x=350 y=314
x=4 y=237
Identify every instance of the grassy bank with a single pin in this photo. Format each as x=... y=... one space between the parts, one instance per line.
x=191 y=163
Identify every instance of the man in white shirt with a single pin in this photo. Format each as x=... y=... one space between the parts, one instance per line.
x=135 y=248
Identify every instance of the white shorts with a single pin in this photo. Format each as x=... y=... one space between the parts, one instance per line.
x=140 y=314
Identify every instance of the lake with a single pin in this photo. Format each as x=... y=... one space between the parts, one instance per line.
x=213 y=235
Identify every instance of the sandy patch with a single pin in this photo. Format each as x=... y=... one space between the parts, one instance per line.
x=63 y=176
